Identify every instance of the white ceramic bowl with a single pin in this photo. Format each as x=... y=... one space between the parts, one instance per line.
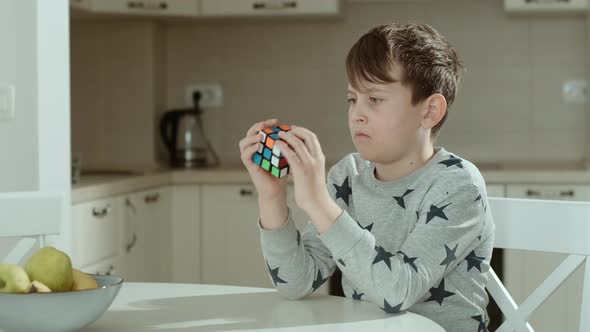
x=65 y=311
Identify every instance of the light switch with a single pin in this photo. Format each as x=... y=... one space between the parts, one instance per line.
x=575 y=91
x=6 y=102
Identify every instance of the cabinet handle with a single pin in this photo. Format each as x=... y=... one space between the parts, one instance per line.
x=567 y=193
x=131 y=244
x=131 y=206
x=108 y=273
x=531 y=192
x=150 y=6
x=153 y=198
x=259 y=5
x=102 y=212
x=246 y=192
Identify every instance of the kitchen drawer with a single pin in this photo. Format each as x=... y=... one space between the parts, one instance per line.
x=550 y=192
x=97 y=228
x=139 y=7
x=110 y=266
x=269 y=7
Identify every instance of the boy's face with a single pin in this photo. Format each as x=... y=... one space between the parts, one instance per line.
x=384 y=125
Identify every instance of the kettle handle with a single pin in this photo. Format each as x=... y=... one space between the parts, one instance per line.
x=165 y=134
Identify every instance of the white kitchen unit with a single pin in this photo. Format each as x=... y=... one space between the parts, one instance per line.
x=209 y=8
x=269 y=7
x=496 y=190
x=97 y=232
x=186 y=234
x=575 y=192
x=546 y=7
x=148 y=240
x=186 y=8
x=230 y=241
x=525 y=270
x=110 y=266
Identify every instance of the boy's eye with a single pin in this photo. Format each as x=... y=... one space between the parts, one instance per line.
x=351 y=100
x=375 y=100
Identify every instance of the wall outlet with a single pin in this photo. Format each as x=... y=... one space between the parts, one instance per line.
x=211 y=95
x=575 y=91
x=6 y=102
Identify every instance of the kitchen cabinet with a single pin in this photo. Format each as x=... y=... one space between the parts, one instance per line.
x=552 y=192
x=139 y=7
x=269 y=7
x=209 y=8
x=230 y=240
x=110 y=266
x=525 y=270
x=96 y=231
x=186 y=234
x=496 y=190
x=148 y=240
x=546 y=7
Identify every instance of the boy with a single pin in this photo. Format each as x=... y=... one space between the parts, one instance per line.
x=406 y=222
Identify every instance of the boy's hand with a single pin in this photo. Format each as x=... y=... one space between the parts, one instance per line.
x=307 y=164
x=268 y=187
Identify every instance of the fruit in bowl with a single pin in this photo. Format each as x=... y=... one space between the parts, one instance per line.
x=76 y=299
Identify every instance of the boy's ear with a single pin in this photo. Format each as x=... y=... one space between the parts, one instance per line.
x=435 y=110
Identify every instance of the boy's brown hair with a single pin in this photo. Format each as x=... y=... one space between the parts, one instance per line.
x=429 y=63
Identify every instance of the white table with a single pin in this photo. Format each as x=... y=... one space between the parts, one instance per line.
x=195 y=307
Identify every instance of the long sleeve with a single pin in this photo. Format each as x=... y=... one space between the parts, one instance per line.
x=298 y=263
x=447 y=228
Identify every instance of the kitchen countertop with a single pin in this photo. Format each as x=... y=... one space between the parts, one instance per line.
x=102 y=184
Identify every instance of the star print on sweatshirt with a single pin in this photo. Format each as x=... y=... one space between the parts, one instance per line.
x=422 y=243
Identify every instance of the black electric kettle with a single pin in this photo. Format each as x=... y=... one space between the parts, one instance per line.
x=182 y=133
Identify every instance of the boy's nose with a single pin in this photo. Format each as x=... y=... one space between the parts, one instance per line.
x=359 y=115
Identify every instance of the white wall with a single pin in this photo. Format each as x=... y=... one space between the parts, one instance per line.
x=35 y=177
x=18 y=66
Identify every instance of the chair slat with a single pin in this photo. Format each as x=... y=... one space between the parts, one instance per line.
x=540 y=225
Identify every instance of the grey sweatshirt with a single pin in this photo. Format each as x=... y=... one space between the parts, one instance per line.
x=422 y=243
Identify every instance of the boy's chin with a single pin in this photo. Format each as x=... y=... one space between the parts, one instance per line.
x=366 y=155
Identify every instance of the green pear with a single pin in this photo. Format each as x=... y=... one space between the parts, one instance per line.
x=13 y=279
x=52 y=268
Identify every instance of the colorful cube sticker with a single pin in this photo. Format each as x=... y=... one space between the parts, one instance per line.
x=269 y=156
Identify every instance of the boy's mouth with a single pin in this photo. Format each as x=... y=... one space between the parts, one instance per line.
x=360 y=134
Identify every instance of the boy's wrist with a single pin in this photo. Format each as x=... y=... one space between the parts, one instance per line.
x=324 y=214
x=274 y=212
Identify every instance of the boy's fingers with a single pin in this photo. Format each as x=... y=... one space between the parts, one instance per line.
x=259 y=125
x=247 y=154
x=309 y=138
x=249 y=140
x=289 y=154
x=296 y=145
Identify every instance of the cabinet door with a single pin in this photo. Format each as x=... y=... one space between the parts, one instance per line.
x=140 y=7
x=148 y=243
x=496 y=190
x=230 y=241
x=552 y=192
x=269 y=7
x=525 y=270
x=156 y=208
x=110 y=266
x=230 y=245
x=96 y=230
x=186 y=238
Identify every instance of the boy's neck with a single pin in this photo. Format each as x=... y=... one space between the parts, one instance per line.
x=405 y=166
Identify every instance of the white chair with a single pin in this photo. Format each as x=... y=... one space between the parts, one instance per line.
x=541 y=225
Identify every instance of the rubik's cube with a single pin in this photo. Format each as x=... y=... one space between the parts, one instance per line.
x=269 y=156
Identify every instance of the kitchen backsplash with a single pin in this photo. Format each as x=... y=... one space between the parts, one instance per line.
x=509 y=107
